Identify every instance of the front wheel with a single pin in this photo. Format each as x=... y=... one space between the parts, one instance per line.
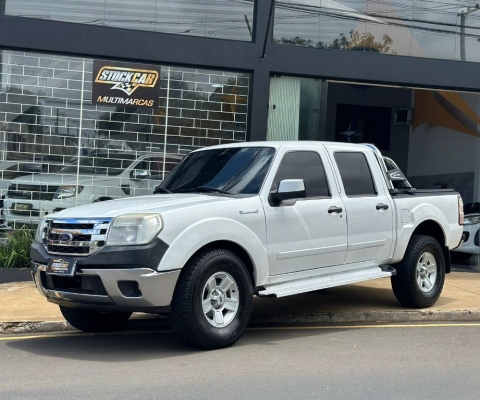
x=421 y=274
x=94 y=321
x=212 y=303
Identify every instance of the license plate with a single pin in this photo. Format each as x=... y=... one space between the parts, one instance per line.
x=62 y=266
x=22 y=207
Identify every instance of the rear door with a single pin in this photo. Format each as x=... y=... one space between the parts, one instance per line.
x=368 y=204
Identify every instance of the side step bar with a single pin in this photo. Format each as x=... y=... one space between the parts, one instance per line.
x=326 y=281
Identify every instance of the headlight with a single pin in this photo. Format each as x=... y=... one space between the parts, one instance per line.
x=134 y=229
x=471 y=220
x=66 y=192
x=40 y=229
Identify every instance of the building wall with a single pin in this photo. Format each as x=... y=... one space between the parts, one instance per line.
x=394 y=98
x=440 y=155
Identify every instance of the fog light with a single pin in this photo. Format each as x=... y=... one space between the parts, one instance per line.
x=130 y=288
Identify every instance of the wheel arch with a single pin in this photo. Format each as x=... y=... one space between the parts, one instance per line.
x=222 y=233
x=434 y=229
x=234 y=248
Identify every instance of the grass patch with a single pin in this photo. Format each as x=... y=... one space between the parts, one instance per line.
x=15 y=249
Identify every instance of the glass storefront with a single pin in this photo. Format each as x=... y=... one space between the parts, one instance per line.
x=432 y=135
x=58 y=149
x=419 y=28
x=221 y=19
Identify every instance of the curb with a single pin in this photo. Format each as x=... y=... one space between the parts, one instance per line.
x=11 y=275
x=377 y=317
x=319 y=319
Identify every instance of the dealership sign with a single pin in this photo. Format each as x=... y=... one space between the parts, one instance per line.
x=133 y=85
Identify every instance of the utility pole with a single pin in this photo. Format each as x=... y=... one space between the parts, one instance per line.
x=463 y=13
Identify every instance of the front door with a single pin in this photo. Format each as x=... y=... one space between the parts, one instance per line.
x=305 y=234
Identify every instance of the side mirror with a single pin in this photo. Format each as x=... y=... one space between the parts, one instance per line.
x=289 y=189
x=139 y=174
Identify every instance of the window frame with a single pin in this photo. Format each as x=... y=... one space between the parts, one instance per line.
x=375 y=188
x=329 y=188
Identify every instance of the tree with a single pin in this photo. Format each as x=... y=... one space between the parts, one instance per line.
x=355 y=41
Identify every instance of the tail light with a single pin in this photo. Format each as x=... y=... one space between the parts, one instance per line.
x=461 y=214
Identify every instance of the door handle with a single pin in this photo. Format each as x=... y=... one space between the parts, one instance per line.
x=335 y=210
x=382 y=206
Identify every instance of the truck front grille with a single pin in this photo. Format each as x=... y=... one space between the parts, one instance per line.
x=31 y=192
x=75 y=237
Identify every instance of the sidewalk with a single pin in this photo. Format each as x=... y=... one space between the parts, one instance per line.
x=23 y=309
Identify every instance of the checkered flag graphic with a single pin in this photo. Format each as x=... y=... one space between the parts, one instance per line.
x=126 y=87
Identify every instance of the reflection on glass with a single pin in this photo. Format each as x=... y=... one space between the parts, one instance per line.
x=97 y=164
x=58 y=152
x=419 y=28
x=222 y=19
x=468 y=29
x=231 y=171
x=434 y=28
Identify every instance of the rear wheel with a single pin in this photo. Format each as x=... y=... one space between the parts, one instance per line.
x=421 y=274
x=212 y=303
x=94 y=321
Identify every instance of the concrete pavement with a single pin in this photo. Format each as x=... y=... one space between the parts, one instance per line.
x=23 y=309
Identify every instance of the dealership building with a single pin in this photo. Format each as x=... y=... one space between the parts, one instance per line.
x=108 y=79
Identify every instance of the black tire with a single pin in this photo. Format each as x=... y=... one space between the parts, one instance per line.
x=94 y=321
x=404 y=283
x=188 y=318
x=460 y=257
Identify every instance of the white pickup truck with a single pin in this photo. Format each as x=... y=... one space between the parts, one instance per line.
x=100 y=176
x=233 y=221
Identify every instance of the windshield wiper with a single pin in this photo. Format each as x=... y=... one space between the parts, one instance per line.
x=208 y=189
x=159 y=189
x=203 y=189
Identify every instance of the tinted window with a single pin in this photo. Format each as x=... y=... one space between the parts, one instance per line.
x=356 y=175
x=305 y=165
x=238 y=170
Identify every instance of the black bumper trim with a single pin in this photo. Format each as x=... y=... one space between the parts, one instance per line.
x=143 y=256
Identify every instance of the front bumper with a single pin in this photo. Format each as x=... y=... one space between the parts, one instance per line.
x=120 y=278
x=108 y=289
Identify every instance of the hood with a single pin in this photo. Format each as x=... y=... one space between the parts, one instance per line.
x=159 y=203
x=60 y=179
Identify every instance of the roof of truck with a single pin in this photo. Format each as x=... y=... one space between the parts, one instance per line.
x=277 y=145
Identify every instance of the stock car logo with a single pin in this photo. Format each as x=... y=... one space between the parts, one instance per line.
x=135 y=85
x=127 y=79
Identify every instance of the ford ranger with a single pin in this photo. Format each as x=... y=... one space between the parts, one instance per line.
x=234 y=221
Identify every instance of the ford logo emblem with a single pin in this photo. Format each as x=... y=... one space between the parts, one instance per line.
x=65 y=237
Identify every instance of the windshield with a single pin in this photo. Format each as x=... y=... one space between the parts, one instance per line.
x=101 y=166
x=237 y=170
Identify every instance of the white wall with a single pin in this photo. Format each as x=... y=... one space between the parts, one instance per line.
x=435 y=150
